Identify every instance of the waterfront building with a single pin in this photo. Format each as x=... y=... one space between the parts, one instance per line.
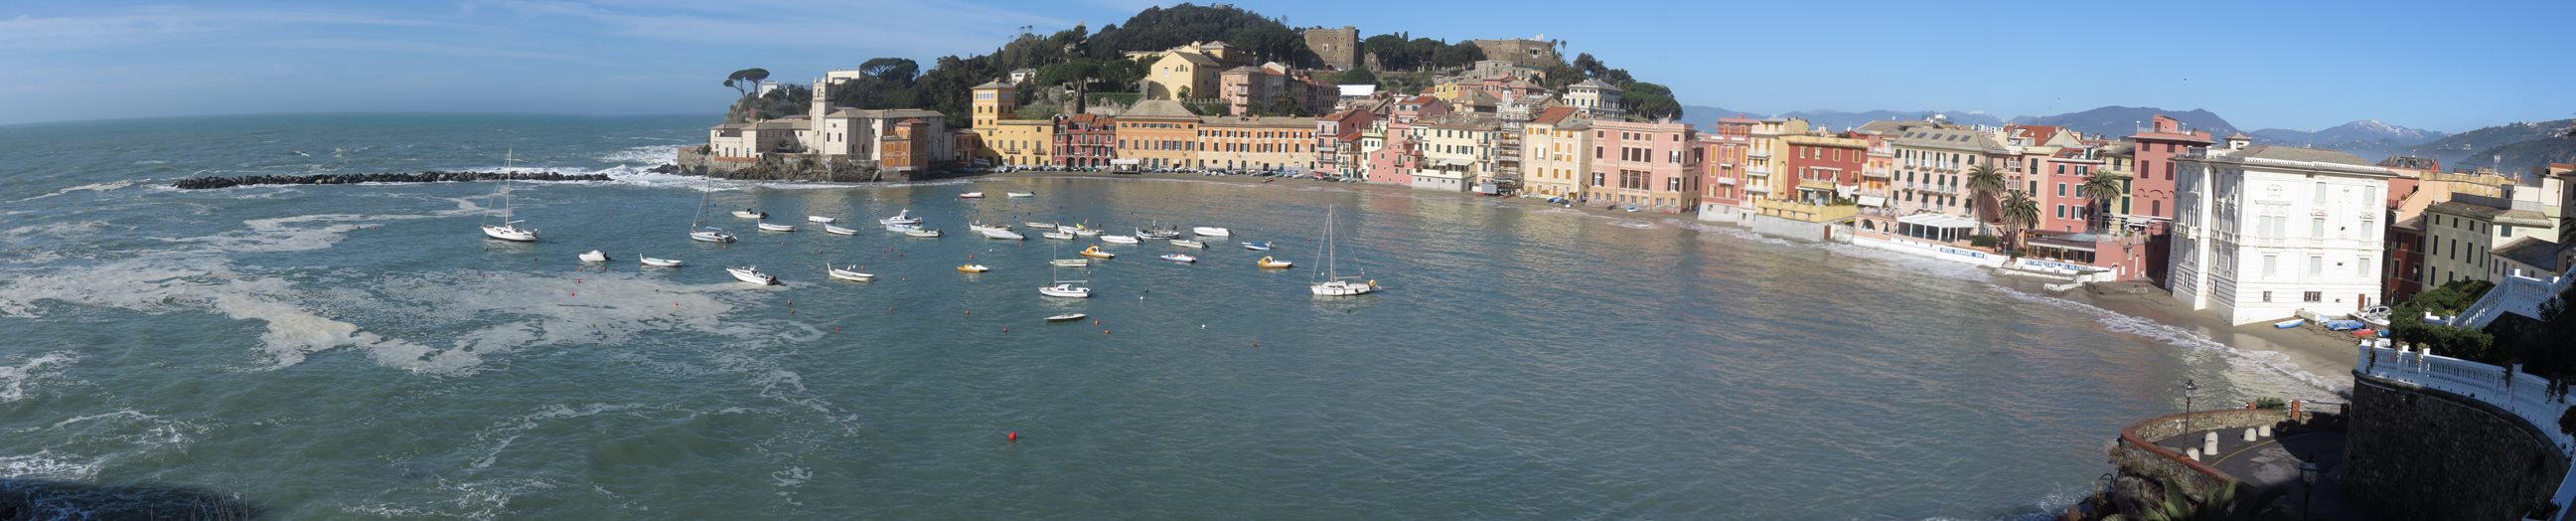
x=1595 y=98
x=749 y=140
x=2155 y=149
x=1933 y=161
x=2461 y=236
x=907 y=148
x=1185 y=72
x=1556 y=153
x=1157 y=134
x=1646 y=165
x=1256 y=144
x=1006 y=140
x=2262 y=232
x=1337 y=141
x=830 y=133
x=1393 y=156
x=1457 y=151
x=1762 y=160
x=2064 y=204
x=1085 y=141
x=1248 y=89
x=1821 y=169
x=1726 y=192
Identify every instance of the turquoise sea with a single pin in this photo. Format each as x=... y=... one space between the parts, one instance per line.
x=362 y=351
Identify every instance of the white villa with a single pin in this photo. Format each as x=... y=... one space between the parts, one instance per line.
x=2262 y=232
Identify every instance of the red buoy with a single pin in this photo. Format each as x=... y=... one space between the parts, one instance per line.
x=1015 y=436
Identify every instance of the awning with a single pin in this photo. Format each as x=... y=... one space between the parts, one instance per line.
x=1126 y=161
x=1872 y=200
x=1935 y=220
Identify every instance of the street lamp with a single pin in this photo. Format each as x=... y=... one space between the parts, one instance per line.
x=2308 y=484
x=2187 y=387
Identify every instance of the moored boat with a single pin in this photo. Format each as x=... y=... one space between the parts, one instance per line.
x=748 y=213
x=917 y=232
x=1186 y=243
x=971 y=195
x=1057 y=235
x=851 y=273
x=1118 y=239
x=1002 y=234
x=595 y=256
x=973 y=268
x=1179 y=257
x=1332 y=283
x=1094 y=252
x=1065 y=317
x=710 y=234
x=1062 y=290
x=1070 y=263
x=1034 y=225
x=904 y=217
x=1257 y=246
x=1212 y=231
x=1019 y=194
x=836 y=230
x=768 y=227
x=820 y=219
x=1273 y=263
x=660 y=263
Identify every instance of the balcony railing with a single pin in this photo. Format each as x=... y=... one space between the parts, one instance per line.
x=1758 y=172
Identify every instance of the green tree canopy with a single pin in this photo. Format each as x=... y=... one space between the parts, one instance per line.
x=743 y=81
x=897 y=70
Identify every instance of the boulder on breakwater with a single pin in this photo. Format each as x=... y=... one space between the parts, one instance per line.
x=433 y=176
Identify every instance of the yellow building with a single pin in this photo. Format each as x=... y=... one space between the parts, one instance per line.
x=1007 y=140
x=1256 y=144
x=1158 y=134
x=1556 y=152
x=1765 y=179
x=1188 y=71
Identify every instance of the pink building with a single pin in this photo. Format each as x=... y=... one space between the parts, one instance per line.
x=1395 y=156
x=2151 y=195
x=2063 y=205
x=1722 y=164
x=1646 y=165
x=1337 y=141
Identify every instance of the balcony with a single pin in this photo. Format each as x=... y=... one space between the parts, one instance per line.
x=1880 y=173
x=1757 y=188
x=1726 y=181
x=1758 y=153
x=1758 y=171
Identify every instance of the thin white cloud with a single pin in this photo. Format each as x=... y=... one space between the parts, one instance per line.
x=885 y=26
x=163 y=24
x=409 y=47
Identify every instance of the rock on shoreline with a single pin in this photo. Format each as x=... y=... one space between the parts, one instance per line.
x=209 y=182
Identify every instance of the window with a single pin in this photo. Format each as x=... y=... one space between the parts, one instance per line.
x=2267 y=296
x=2314 y=296
x=2363 y=268
x=2319 y=188
x=2316 y=227
x=2271 y=265
x=2316 y=266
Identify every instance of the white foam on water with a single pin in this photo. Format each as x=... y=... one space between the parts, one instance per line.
x=2255 y=362
x=643 y=155
x=49 y=465
x=15 y=378
x=92 y=187
x=791 y=476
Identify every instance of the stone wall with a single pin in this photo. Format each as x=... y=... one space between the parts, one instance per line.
x=1525 y=53
x=2143 y=470
x=2420 y=453
x=1340 y=48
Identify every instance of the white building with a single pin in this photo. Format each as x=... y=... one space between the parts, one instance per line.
x=2262 y=232
x=1593 y=97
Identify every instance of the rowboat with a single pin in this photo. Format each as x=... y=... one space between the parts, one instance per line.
x=1065 y=317
x=595 y=256
x=1212 y=231
x=1186 y=243
x=662 y=263
x=1257 y=246
x=836 y=230
x=971 y=195
x=2291 y=323
x=747 y=213
x=1267 y=262
x=752 y=275
x=768 y=227
x=973 y=268
x=1019 y=194
x=820 y=219
x=850 y=274
x=1179 y=257
x=926 y=234
x=1057 y=235
x=1003 y=235
x=1118 y=239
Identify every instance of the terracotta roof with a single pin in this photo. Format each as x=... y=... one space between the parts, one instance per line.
x=1553 y=115
x=2036 y=133
x=1159 y=108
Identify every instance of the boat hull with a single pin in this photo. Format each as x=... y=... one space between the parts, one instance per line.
x=836 y=230
x=711 y=236
x=1211 y=231
x=1340 y=289
x=752 y=276
x=766 y=227
x=660 y=263
x=1056 y=292
x=510 y=233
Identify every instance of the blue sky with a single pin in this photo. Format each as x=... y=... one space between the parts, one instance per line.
x=2306 y=65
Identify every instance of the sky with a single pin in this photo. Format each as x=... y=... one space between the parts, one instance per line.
x=2307 y=65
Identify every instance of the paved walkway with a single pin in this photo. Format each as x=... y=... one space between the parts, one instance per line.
x=2271 y=466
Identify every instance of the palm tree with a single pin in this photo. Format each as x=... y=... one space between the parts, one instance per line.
x=1984 y=181
x=2020 y=212
x=2103 y=188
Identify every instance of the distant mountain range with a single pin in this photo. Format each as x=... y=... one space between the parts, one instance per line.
x=2371 y=139
x=1705 y=116
x=2479 y=147
x=2119 y=122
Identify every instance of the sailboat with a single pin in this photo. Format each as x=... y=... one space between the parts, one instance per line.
x=1334 y=284
x=509 y=230
x=698 y=230
x=1065 y=288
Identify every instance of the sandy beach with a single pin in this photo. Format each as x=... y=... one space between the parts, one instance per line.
x=2311 y=349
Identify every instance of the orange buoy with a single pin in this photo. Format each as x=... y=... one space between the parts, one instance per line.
x=1015 y=436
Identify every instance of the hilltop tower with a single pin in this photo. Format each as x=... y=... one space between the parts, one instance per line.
x=992 y=101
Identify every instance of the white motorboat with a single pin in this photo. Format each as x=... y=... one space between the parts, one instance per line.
x=1179 y=257
x=1019 y=194
x=917 y=232
x=595 y=256
x=836 y=230
x=904 y=217
x=1118 y=239
x=900 y=228
x=1039 y=226
x=851 y=273
x=1212 y=231
x=1064 y=290
x=1006 y=235
x=1158 y=233
x=711 y=234
x=508 y=230
x=1257 y=246
x=1186 y=243
x=767 y=227
x=1065 y=317
x=1085 y=232
x=1067 y=236
x=752 y=275
x=979 y=226
x=971 y=195
x=1332 y=283
x=820 y=219
x=747 y=213
x=1070 y=263
x=660 y=263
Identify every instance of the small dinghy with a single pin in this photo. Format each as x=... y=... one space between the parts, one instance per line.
x=971 y=195
x=1067 y=236
x=1179 y=257
x=2291 y=323
x=747 y=213
x=662 y=263
x=1019 y=194
x=1186 y=243
x=1272 y=263
x=904 y=217
x=1034 y=225
x=1118 y=239
x=996 y=233
x=1257 y=246
x=973 y=268
x=1065 y=317
x=595 y=256
x=1070 y=263
x=917 y=232
x=1212 y=231
x=1094 y=252
x=836 y=230
x=1084 y=232
x=980 y=227
x=767 y=227
x=850 y=274
x=752 y=275
x=820 y=219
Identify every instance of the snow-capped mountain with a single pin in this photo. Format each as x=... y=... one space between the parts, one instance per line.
x=2369 y=138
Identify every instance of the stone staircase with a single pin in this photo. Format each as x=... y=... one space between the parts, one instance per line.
x=2517 y=294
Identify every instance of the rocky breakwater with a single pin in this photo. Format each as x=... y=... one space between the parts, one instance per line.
x=433 y=176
